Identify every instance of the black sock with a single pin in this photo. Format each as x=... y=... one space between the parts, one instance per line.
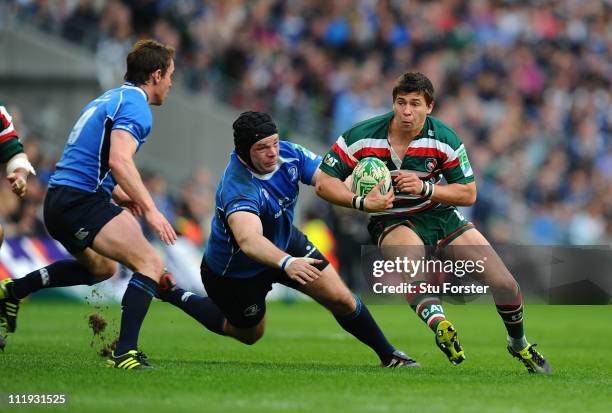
x=134 y=307
x=59 y=274
x=361 y=325
x=510 y=309
x=202 y=309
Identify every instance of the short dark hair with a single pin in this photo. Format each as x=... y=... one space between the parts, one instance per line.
x=414 y=82
x=146 y=57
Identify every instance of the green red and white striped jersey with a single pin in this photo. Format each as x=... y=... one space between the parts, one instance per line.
x=9 y=141
x=436 y=153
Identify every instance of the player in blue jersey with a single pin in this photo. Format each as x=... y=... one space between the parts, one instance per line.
x=253 y=244
x=96 y=166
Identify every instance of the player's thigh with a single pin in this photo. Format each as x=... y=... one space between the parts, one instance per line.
x=122 y=240
x=330 y=291
x=401 y=242
x=241 y=300
x=473 y=246
x=99 y=266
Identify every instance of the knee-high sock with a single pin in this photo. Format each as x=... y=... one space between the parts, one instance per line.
x=427 y=307
x=510 y=309
x=361 y=325
x=134 y=307
x=59 y=274
x=202 y=309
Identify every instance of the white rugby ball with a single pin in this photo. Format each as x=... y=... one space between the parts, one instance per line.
x=367 y=174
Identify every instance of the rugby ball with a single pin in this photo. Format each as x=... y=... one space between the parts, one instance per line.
x=367 y=174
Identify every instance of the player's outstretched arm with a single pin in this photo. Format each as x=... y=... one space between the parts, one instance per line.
x=248 y=232
x=121 y=162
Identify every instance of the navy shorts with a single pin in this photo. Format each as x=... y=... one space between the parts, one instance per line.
x=243 y=300
x=74 y=217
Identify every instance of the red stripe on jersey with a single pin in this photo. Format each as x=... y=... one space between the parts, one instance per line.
x=426 y=152
x=376 y=152
x=343 y=155
x=4 y=123
x=10 y=135
x=450 y=164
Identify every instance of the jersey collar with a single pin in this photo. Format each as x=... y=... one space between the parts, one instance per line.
x=130 y=85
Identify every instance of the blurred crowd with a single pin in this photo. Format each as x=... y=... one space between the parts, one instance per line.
x=188 y=210
x=526 y=84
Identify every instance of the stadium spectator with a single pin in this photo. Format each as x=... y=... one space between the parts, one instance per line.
x=526 y=84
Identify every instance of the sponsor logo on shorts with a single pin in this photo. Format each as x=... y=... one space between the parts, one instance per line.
x=44 y=276
x=81 y=234
x=251 y=310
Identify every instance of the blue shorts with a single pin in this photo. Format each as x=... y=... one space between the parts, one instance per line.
x=243 y=300
x=74 y=217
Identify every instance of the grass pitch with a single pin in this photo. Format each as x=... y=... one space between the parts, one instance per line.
x=306 y=363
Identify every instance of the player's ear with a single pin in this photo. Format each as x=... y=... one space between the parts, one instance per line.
x=430 y=106
x=156 y=76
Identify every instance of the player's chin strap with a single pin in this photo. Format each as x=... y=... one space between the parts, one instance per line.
x=19 y=161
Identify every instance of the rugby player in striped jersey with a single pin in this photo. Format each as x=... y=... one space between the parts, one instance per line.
x=18 y=168
x=420 y=150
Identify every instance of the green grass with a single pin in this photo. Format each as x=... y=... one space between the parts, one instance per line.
x=306 y=363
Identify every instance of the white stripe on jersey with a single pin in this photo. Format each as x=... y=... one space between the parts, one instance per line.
x=8 y=130
x=367 y=143
x=433 y=143
x=342 y=144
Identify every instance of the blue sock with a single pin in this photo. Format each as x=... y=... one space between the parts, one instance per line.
x=59 y=274
x=134 y=307
x=361 y=325
x=202 y=309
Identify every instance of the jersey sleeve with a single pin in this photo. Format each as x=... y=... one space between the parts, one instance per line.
x=241 y=197
x=456 y=168
x=10 y=145
x=338 y=162
x=134 y=116
x=309 y=162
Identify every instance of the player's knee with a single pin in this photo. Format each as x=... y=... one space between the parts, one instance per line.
x=104 y=270
x=341 y=304
x=250 y=337
x=505 y=286
x=1 y=235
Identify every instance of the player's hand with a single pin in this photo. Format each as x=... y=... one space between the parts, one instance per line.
x=126 y=202
x=408 y=182
x=19 y=182
x=133 y=207
x=161 y=226
x=376 y=202
x=302 y=271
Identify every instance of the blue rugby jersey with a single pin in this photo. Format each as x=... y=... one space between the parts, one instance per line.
x=272 y=197
x=84 y=163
